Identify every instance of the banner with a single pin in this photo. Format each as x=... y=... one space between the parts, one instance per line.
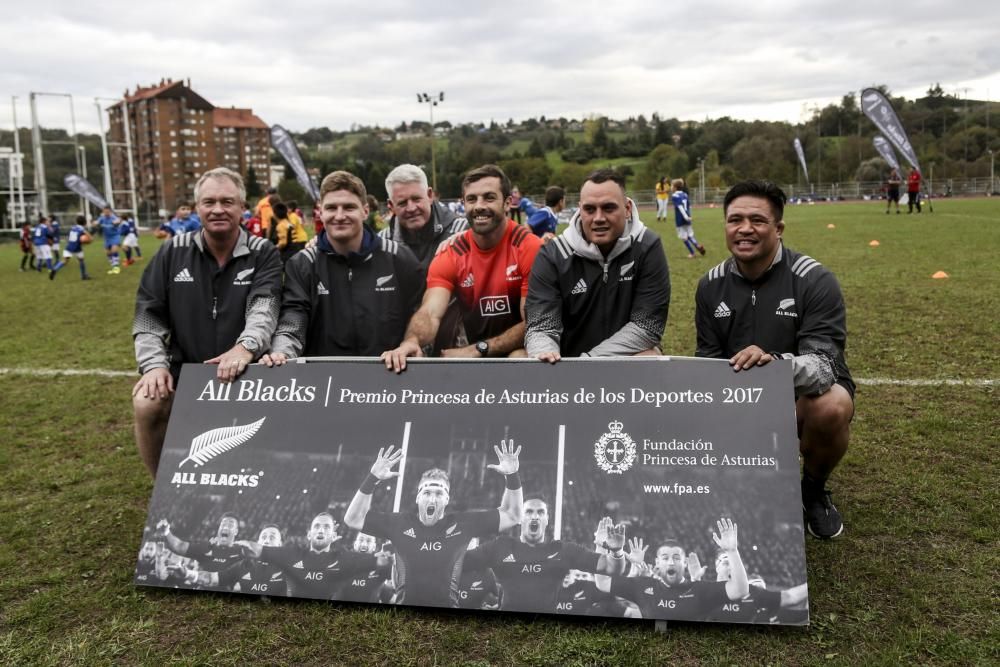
x=802 y=157
x=83 y=187
x=689 y=469
x=880 y=111
x=884 y=149
x=285 y=145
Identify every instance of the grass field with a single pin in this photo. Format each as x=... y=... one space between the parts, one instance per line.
x=914 y=580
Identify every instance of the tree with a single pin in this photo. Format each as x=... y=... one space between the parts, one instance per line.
x=663 y=161
x=535 y=149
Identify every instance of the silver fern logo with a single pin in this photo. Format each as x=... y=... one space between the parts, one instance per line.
x=210 y=444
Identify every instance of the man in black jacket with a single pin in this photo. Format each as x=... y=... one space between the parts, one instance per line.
x=418 y=222
x=353 y=293
x=769 y=302
x=207 y=296
x=601 y=288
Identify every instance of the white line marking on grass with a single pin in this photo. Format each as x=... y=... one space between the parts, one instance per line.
x=51 y=372
x=868 y=382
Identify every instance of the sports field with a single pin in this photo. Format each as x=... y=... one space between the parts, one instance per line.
x=913 y=581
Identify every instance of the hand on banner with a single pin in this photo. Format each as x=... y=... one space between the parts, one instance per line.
x=636 y=551
x=154 y=383
x=749 y=357
x=551 y=357
x=695 y=569
x=725 y=539
x=395 y=360
x=507 y=456
x=382 y=468
x=231 y=362
x=272 y=359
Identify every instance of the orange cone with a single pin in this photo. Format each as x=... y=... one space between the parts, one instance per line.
x=874 y=244
x=939 y=275
x=831 y=226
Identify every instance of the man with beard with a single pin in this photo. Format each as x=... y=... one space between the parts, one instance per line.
x=418 y=222
x=318 y=570
x=368 y=586
x=666 y=594
x=759 y=605
x=431 y=546
x=215 y=555
x=487 y=268
x=530 y=570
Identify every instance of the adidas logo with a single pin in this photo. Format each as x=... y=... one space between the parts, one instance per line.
x=299 y=566
x=468 y=282
x=321 y=288
x=723 y=310
x=184 y=276
x=648 y=591
x=580 y=287
x=510 y=559
x=409 y=533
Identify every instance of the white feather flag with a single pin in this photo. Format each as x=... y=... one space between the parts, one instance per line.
x=210 y=444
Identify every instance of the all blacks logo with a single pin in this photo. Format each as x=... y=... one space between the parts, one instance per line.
x=615 y=451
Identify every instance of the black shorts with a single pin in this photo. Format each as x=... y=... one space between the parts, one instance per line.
x=894 y=194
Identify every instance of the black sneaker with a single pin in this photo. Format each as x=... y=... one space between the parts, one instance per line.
x=822 y=518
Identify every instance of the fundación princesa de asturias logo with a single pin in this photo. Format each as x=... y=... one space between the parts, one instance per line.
x=615 y=450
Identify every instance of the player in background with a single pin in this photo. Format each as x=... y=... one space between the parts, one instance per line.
x=41 y=236
x=319 y=569
x=374 y=585
x=109 y=225
x=75 y=239
x=431 y=546
x=530 y=569
x=27 y=247
x=892 y=190
x=544 y=221
x=131 y=241
x=213 y=555
x=759 y=605
x=683 y=219
x=667 y=593
x=662 y=198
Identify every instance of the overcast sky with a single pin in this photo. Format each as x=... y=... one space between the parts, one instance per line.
x=307 y=63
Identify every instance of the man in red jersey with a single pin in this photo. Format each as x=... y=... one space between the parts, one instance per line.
x=487 y=269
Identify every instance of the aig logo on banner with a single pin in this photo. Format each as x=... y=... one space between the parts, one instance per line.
x=615 y=450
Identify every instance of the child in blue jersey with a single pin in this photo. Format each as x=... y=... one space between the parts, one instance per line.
x=131 y=241
x=41 y=237
x=74 y=248
x=682 y=218
x=56 y=235
x=109 y=225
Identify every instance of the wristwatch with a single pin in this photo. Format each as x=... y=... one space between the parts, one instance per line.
x=483 y=348
x=249 y=344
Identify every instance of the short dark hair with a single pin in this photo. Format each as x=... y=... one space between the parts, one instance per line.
x=346 y=181
x=671 y=543
x=292 y=204
x=229 y=515
x=487 y=171
x=271 y=191
x=605 y=175
x=280 y=211
x=80 y=220
x=554 y=194
x=761 y=189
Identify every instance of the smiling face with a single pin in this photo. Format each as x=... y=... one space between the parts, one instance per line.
x=534 y=521
x=604 y=209
x=485 y=205
x=219 y=207
x=669 y=564
x=411 y=204
x=343 y=214
x=753 y=235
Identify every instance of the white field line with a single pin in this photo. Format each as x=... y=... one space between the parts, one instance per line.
x=869 y=382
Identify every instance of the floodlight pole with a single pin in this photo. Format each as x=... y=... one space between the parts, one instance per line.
x=36 y=149
x=20 y=164
x=432 y=102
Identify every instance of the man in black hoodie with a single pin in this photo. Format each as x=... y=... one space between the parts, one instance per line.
x=353 y=293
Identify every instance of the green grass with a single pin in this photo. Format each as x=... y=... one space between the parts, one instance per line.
x=912 y=582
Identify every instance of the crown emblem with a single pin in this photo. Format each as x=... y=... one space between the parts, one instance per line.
x=615 y=450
